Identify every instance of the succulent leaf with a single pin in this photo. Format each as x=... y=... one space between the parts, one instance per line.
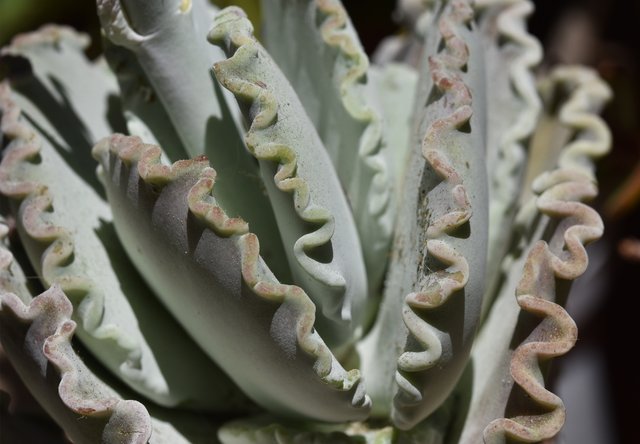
x=375 y=218
x=444 y=215
x=146 y=117
x=206 y=268
x=539 y=276
x=194 y=102
x=270 y=430
x=561 y=193
x=37 y=339
x=69 y=237
x=513 y=106
x=318 y=230
x=135 y=25
x=391 y=91
x=316 y=47
x=265 y=431
x=12 y=278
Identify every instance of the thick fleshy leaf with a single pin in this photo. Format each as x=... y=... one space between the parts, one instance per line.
x=317 y=228
x=391 y=90
x=509 y=383
x=65 y=225
x=434 y=291
x=207 y=269
x=265 y=431
x=512 y=111
x=36 y=337
x=169 y=40
x=167 y=37
x=318 y=50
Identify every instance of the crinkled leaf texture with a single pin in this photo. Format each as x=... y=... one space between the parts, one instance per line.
x=283 y=265
x=423 y=335
x=313 y=215
x=173 y=74
x=317 y=48
x=206 y=268
x=65 y=224
x=507 y=381
x=36 y=334
x=36 y=337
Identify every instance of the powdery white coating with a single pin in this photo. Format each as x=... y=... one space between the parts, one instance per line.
x=513 y=107
x=433 y=355
x=177 y=64
x=391 y=90
x=296 y=167
x=66 y=225
x=194 y=232
x=432 y=301
x=206 y=268
x=37 y=338
x=317 y=48
x=565 y=224
x=561 y=196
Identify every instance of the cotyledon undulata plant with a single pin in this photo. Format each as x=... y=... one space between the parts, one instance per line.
x=340 y=251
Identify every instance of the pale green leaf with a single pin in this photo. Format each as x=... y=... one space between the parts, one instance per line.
x=432 y=301
x=314 y=219
x=207 y=269
x=65 y=224
x=512 y=111
x=169 y=40
x=514 y=339
x=317 y=48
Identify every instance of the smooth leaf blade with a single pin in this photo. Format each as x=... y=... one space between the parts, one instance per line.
x=513 y=107
x=145 y=115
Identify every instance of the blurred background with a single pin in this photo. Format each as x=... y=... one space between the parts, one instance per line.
x=597 y=379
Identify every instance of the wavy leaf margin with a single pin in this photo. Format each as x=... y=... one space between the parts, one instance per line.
x=561 y=194
x=446 y=69
x=334 y=33
x=49 y=314
x=25 y=148
x=255 y=273
x=286 y=178
x=302 y=168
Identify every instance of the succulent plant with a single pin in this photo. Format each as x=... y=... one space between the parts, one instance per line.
x=340 y=251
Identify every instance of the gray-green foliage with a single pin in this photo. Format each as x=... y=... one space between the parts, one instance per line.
x=339 y=252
